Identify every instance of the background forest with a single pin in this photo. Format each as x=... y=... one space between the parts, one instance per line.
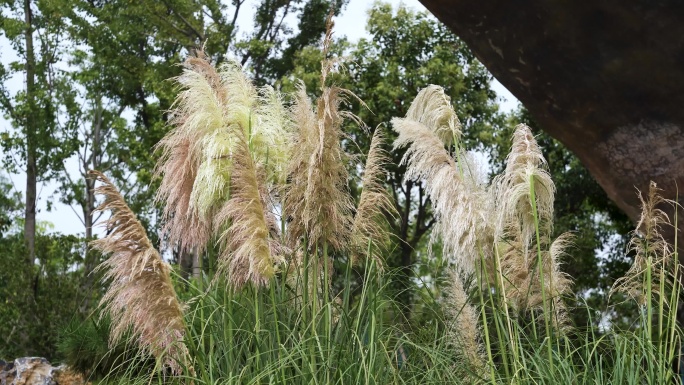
x=96 y=95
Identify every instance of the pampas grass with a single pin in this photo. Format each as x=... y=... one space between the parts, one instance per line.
x=524 y=196
x=463 y=329
x=504 y=231
x=432 y=108
x=369 y=230
x=459 y=203
x=252 y=242
x=229 y=145
x=507 y=225
x=462 y=221
x=317 y=198
x=524 y=172
x=140 y=294
x=272 y=135
x=268 y=182
x=251 y=252
x=652 y=254
x=197 y=119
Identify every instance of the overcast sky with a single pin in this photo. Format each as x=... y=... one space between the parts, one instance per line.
x=351 y=24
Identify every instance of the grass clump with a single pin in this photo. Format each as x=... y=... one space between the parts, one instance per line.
x=261 y=189
x=499 y=237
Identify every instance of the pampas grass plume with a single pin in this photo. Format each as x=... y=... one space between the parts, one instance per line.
x=258 y=127
x=251 y=252
x=272 y=135
x=463 y=329
x=226 y=144
x=524 y=171
x=369 y=228
x=432 y=107
x=458 y=202
x=140 y=296
x=316 y=197
x=194 y=155
x=525 y=178
x=647 y=242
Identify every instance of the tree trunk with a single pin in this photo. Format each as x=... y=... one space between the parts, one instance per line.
x=196 y=264
x=186 y=261
x=31 y=163
x=405 y=276
x=90 y=259
x=31 y=173
x=91 y=161
x=405 y=258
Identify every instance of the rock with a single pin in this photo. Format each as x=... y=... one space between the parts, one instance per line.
x=603 y=77
x=62 y=375
x=7 y=373
x=37 y=371
x=33 y=371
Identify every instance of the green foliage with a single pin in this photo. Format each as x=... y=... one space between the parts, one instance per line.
x=84 y=346
x=274 y=57
x=37 y=301
x=34 y=113
x=278 y=337
x=10 y=206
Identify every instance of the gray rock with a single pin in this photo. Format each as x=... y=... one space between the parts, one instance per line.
x=33 y=371
x=7 y=373
x=36 y=371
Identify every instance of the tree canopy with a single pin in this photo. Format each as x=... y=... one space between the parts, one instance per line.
x=97 y=95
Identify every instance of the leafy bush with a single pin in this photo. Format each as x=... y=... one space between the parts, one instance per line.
x=37 y=300
x=84 y=347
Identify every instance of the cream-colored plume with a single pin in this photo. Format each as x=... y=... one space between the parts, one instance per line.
x=258 y=127
x=432 y=107
x=523 y=199
x=272 y=135
x=370 y=228
x=217 y=146
x=649 y=248
x=182 y=225
x=228 y=146
x=252 y=248
x=197 y=112
x=459 y=203
x=463 y=328
x=513 y=191
x=316 y=198
x=140 y=296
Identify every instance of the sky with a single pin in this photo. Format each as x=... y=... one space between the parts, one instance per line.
x=65 y=219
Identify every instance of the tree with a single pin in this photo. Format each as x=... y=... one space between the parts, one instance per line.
x=37 y=301
x=36 y=142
